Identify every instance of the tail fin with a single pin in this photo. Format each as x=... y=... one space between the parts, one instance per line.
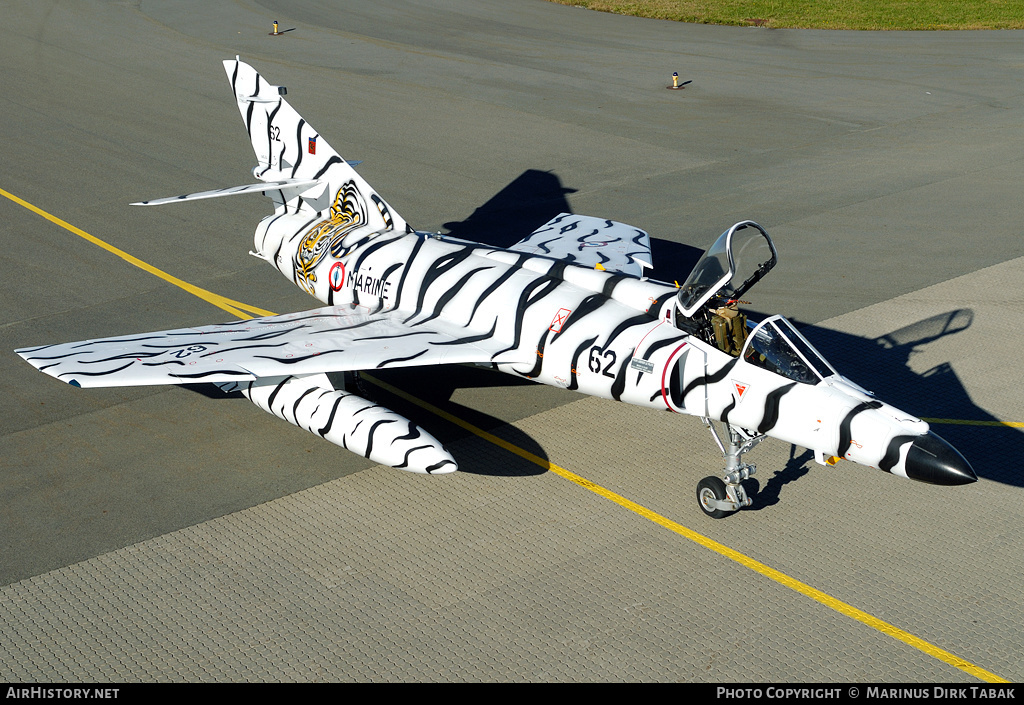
x=288 y=148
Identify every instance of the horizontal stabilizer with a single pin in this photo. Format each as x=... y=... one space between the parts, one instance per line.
x=300 y=184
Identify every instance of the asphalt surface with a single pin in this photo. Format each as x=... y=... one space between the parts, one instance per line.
x=178 y=534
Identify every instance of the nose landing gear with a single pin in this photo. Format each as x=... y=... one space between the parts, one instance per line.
x=716 y=496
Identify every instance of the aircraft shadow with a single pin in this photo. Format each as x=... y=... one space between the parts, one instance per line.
x=437 y=388
x=526 y=203
x=211 y=391
x=796 y=467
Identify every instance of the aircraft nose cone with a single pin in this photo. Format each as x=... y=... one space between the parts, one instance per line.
x=933 y=460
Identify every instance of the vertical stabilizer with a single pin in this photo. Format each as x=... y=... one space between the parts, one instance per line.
x=287 y=147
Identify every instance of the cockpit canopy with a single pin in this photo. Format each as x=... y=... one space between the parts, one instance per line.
x=737 y=260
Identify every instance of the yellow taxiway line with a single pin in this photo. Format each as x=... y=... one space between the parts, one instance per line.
x=967 y=422
x=239 y=309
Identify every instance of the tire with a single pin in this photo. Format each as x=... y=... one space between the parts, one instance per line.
x=708 y=489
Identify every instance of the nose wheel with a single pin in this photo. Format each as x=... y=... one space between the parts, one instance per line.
x=719 y=496
x=711 y=494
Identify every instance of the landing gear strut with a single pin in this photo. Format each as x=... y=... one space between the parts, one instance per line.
x=720 y=496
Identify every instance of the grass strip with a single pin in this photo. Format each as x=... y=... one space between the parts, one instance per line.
x=825 y=14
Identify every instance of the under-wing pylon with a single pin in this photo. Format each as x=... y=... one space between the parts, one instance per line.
x=568 y=306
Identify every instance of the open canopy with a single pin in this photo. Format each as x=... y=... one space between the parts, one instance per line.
x=737 y=260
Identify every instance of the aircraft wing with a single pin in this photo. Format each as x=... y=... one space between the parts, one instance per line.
x=583 y=239
x=331 y=339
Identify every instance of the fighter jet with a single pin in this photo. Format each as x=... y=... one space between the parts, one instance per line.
x=568 y=306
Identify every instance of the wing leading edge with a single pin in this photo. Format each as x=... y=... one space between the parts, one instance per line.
x=330 y=339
